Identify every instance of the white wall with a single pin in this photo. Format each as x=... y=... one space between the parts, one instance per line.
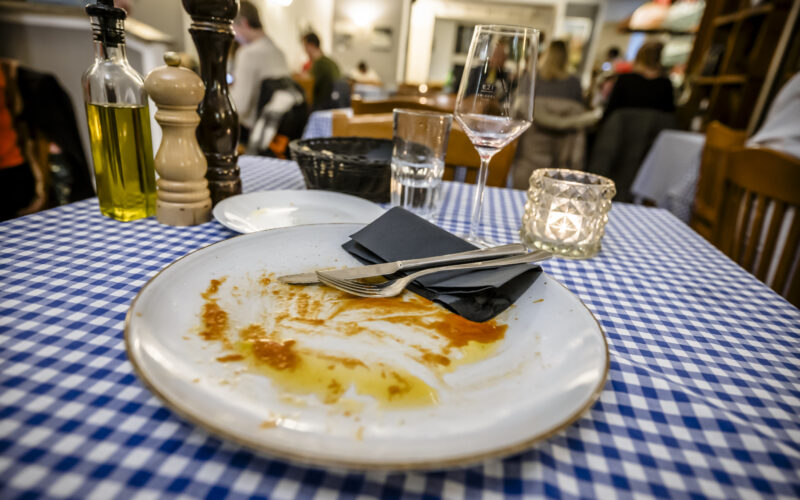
x=285 y=25
x=425 y=12
x=166 y=16
x=357 y=18
x=444 y=45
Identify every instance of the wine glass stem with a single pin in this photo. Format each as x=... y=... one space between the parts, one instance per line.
x=477 y=203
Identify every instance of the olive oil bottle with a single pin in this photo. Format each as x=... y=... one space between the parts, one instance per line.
x=122 y=152
x=119 y=121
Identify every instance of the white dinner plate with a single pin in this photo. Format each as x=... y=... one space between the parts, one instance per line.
x=251 y=212
x=492 y=399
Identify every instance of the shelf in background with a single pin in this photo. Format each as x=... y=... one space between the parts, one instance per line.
x=659 y=31
x=721 y=80
x=744 y=14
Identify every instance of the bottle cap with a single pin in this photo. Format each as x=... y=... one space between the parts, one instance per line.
x=105 y=8
x=108 y=27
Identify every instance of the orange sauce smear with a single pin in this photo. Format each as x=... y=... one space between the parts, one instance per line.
x=300 y=369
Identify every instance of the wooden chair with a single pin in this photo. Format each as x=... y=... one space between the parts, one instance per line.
x=460 y=151
x=364 y=107
x=759 y=218
x=307 y=83
x=720 y=141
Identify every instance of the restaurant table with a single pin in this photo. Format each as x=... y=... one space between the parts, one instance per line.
x=668 y=174
x=702 y=397
x=320 y=124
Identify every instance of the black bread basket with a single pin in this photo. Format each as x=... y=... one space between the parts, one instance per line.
x=352 y=165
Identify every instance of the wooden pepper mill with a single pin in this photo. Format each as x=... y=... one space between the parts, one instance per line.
x=183 y=198
x=218 y=133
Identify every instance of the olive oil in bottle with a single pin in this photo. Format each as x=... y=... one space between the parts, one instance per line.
x=119 y=121
x=122 y=153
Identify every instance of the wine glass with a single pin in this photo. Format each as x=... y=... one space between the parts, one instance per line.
x=495 y=99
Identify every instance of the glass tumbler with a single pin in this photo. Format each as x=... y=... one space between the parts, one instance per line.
x=566 y=212
x=420 y=145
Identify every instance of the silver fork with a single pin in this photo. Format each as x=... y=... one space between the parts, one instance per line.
x=395 y=287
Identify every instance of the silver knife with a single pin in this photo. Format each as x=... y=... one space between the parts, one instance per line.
x=393 y=267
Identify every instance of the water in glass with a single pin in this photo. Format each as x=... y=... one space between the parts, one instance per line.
x=416 y=186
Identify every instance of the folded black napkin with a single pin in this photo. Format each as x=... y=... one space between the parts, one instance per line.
x=476 y=295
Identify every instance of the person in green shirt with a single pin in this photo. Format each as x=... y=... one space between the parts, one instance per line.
x=323 y=69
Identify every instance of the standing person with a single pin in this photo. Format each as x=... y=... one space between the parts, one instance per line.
x=553 y=78
x=324 y=71
x=646 y=86
x=256 y=60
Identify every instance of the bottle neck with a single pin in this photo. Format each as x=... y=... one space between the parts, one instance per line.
x=103 y=52
x=109 y=39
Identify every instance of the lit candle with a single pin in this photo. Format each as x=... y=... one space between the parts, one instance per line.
x=566 y=212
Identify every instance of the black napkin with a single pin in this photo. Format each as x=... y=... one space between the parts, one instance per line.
x=476 y=295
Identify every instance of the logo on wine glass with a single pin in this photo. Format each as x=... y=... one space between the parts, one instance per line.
x=487 y=90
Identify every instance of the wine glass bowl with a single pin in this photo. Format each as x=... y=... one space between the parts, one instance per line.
x=494 y=105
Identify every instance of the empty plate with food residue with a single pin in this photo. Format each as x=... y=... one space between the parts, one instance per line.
x=316 y=375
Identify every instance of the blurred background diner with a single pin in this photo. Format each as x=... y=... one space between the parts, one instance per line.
x=633 y=90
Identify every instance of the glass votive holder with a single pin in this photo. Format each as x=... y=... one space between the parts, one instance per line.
x=566 y=212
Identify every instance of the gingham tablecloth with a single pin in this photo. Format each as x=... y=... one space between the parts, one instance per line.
x=320 y=124
x=702 y=400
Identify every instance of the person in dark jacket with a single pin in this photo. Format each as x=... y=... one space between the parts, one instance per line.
x=646 y=87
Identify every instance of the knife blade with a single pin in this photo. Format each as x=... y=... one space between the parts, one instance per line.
x=393 y=267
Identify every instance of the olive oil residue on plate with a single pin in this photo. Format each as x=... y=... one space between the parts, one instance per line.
x=275 y=345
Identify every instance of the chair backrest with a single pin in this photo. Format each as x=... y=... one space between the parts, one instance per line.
x=306 y=82
x=720 y=141
x=622 y=143
x=460 y=151
x=340 y=95
x=759 y=219
x=373 y=106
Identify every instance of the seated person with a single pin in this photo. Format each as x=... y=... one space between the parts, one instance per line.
x=781 y=128
x=256 y=60
x=324 y=71
x=364 y=74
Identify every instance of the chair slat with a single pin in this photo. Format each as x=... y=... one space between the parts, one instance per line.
x=787 y=255
x=755 y=225
x=770 y=240
x=742 y=210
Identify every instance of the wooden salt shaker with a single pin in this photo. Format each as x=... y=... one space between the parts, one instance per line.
x=183 y=198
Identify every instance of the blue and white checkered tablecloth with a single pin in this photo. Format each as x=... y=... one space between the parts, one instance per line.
x=320 y=124
x=703 y=396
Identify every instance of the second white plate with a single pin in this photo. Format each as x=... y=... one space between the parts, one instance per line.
x=251 y=212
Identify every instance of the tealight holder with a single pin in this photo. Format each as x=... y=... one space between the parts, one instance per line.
x=566 y=212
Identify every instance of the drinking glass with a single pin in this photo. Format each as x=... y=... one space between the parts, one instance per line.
x=420 y=145
x=495 y=99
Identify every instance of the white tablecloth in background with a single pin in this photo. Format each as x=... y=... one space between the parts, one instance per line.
x=668 y=175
